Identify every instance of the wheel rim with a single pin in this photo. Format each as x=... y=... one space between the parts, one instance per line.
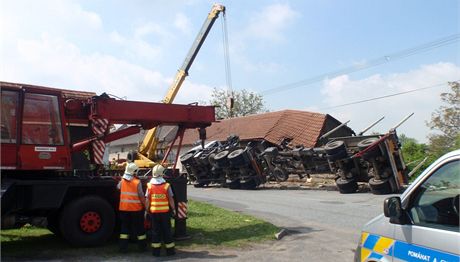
x=90 y=222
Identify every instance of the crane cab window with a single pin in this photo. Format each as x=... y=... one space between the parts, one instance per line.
x=9 y=116
x=41 y=122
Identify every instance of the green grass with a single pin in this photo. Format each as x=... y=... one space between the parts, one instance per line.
x=209 y=227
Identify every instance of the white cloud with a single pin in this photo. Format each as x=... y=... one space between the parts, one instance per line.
x=42 y=50
x=342 y=90
x=182 y=23
x=57 y=63
x=52 y=16
x=269 y=23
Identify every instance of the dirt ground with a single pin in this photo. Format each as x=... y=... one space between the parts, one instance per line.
x=316 y=182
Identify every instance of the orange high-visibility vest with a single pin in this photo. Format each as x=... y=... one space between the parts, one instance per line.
x=158 y=198
x=129 y=197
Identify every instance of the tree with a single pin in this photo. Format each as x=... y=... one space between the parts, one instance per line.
x=413 y=153
x=245 y=103
x=446 y=119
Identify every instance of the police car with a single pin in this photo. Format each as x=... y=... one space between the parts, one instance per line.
x=422 y=224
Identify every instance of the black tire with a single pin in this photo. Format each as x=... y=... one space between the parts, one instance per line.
x=335 y=147
x=249 y=185
x=346 y=186
x=375 y=152
x=211 y=159
x=200 y=185
x=221 y=158
x=187 y=158
x=234 y=184
x=238 y=158
x=337 y=156
x=87 y=221
x=280 y=174
x=380 y=187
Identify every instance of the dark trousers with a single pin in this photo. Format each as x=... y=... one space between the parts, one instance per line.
x=132 y=224
x=161 y=232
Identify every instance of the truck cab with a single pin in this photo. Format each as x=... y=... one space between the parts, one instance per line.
x=422 y=224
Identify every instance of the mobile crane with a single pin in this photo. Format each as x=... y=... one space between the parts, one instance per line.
x=50 y=139
x=147 y=152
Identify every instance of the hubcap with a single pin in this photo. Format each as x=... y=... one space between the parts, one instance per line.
x=90 y=222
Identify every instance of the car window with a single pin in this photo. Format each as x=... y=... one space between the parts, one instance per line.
x=436 y=203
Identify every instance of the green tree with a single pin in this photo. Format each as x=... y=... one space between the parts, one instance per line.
x=244 y=103
x=413 y=153
x=446 y=119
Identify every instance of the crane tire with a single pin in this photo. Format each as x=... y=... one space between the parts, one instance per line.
x=87 y=221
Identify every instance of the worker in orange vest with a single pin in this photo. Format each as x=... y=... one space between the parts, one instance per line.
x=160 y=206
x=132 y=204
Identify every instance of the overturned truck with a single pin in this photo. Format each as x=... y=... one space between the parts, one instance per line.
x=372 y=159
x=247 y=166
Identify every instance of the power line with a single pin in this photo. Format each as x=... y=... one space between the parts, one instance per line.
x=386 y=96
x=372 y=63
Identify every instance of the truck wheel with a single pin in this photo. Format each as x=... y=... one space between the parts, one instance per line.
x=337 y=156
x=221 y=158
x=234 y=184
x=238 y=158
x=334 y=147
x=187 y=158
x=280 y=174
x=380 y=187
x=375 y=152
x=346 y=186
x=211 y=159
x=87 y=221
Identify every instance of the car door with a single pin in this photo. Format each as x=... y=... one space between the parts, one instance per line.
x=433 y=207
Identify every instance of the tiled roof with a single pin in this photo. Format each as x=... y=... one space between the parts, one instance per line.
x=302 y=126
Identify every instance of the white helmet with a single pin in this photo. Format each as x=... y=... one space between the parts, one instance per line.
x=131 y=169
x=157 y=171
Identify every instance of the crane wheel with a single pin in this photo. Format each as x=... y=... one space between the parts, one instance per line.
x=87 y=221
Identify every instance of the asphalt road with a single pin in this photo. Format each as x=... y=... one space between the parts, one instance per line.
x=322 y=225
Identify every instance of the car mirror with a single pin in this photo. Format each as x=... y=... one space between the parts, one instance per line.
x=392 y=207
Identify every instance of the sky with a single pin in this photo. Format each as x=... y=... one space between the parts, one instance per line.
x=301 y=55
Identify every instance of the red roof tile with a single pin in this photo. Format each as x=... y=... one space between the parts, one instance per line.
x=303 y=127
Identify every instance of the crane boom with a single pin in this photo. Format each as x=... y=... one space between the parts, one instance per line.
x=194 y=49
x=147 y=150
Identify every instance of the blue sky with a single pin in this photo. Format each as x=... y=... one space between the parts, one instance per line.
x=133 y=49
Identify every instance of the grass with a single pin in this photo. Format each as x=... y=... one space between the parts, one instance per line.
x=209 y=227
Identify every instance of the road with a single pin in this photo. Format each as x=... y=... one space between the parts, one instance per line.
x=322 y=225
